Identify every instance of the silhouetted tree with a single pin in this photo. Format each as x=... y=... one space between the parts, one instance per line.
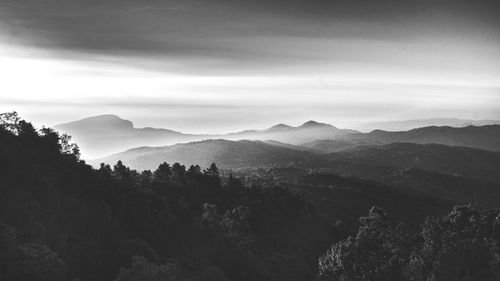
x=121 y=171
x=212 y=171
x=178 y=173
x=61 y=219
x=105 y=170
x=9 y=122
x=67 y=147
x=162 y=173
x=146 y=178
x=194 y=171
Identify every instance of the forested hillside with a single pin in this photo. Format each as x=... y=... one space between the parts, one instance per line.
x=61 y=219
x=227 y=154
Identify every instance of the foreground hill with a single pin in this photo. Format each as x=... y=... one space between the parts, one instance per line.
x=449 y=160
x=347 y=198
x=227 y=154
x=60 y=219
x=456 y=173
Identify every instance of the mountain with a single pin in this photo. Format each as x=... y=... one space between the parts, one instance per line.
x=418 y=123
x=347 y=197
x=60 y=219
x=105 y=134
x=456 y=173
x=459 y=161
x=307 y=132
x=481 y=137
x=328 y=146
x=225 y=153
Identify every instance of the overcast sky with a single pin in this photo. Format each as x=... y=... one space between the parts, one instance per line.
x=224 y=65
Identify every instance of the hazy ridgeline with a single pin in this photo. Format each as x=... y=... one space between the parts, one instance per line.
x=250 y=140
x=285 y=217
x=102 y=135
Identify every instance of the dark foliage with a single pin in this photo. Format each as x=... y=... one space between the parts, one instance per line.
x=60 y=219
x=461 y=246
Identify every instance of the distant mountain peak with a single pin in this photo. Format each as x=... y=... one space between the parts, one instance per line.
x=102 y=117
x=108 y=115
x=312 y=123
x=280 y=126
x=100 y=121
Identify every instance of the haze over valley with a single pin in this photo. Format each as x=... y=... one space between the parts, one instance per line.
x=249 y=140
x=103 y=135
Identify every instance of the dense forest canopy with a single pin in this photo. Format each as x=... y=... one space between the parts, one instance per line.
x=61 y=219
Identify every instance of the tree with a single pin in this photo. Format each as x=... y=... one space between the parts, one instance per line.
x=68 y=147
x=212 y=174
x=162 y=173
x=10 y=254
x=142 y=270
x=129 y=249
x=236 y=226
x=105 y=170
x=212 y=171
x=378 y=252
x=146 y=178
x=210 y=217
x=121 y=171
x=178 y=173
x=62 y=142
x=212 y=273
x=194 y=171
x=41 y=264
x=459 y=247
x=9 y=121
x=51 y=138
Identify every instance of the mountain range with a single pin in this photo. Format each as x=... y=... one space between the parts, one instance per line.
x=459 y=174
x=103 y=135
x=454 y=161
x=227 y=154
x=480 y=137
x=405 y=125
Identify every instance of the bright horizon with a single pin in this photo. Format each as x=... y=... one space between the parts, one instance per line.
x=169 y=67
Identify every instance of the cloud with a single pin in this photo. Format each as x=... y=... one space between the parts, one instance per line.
x=258 y=61
x=230 y=33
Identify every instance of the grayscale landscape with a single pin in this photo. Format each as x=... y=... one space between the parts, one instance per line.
x=249 y=140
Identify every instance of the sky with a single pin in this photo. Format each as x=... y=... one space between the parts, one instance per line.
x=215 y=66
